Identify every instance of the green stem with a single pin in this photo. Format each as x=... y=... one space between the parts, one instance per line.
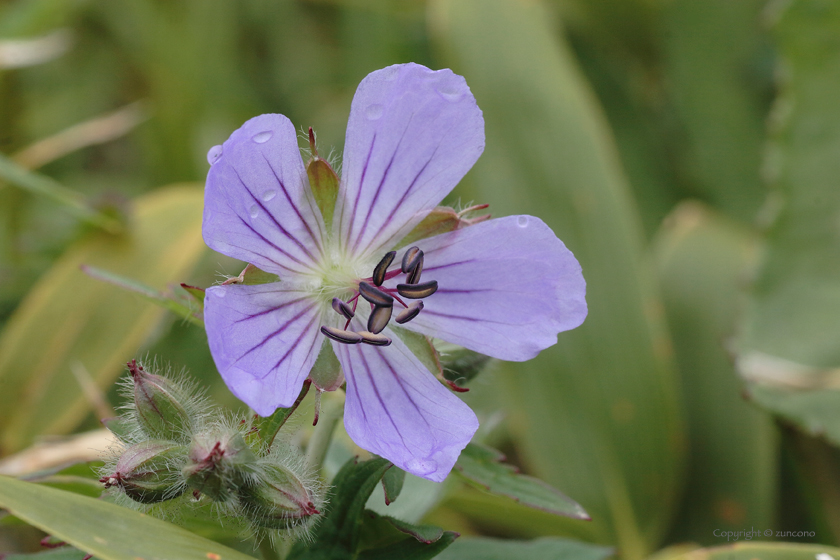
x=43 y=185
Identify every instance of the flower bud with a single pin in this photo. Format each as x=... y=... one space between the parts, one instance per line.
x=219 y=463
x=160 y=405
x=148 y=472
x=280 y=500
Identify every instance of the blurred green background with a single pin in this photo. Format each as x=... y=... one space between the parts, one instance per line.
x=687 y=152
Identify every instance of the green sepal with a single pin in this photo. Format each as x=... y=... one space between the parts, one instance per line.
x=251 y=275
x=327 y=374
x=392 y=483
x=462 y=365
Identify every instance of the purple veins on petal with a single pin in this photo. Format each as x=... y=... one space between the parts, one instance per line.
x=264 y=341
x=258 y=207
x=507 y=287
x=400 y=165
x=397 y=409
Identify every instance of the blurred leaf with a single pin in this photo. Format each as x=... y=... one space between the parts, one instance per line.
x=63 y=553
x=597 y=414
x=69 y=199
x=483 y=466
x=763 y=551
x=169 y=302
x=789 y=351
x=541 y=549
x=717 y=72
x=703 y=259
x=69 y=319
x=108 y=531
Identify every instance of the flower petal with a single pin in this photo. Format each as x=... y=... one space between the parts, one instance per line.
x=257 y=203
x=506 y=287
x=264 y=340
x=412 y=135
x=397 y=409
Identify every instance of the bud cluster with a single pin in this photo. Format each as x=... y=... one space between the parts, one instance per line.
x=175 y=444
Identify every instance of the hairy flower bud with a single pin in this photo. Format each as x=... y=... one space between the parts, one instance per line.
x=219 y=463
x=161 y=405
x=280 y=500
x=148 y=472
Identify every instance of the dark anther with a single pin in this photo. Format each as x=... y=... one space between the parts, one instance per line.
x=409 y=312
x=414 y=275
x=347 y=337
x=375 y=296
x=382 y=268
x=375 y=339
x=417 y=291
x=379 y=318
x=410 y=259
x=342 y=308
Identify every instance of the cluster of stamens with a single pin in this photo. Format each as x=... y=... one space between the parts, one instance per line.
x=382 y=299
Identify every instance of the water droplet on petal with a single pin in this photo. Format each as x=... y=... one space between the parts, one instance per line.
x=522 y=221
x=262 y=137
x=451 y=92
x=420 y=468
x=213 y=154
x=374 y=111
x=254 y=211
x=220 y=293
x=268 y=195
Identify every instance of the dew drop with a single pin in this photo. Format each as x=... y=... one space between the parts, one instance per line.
x=262 y=137
x=420 y=468
x=451 y=92
x=268 y=195
x=220 y=293
x=254 y=211
x=374 y=112
x=213 y=154
x=522 y=221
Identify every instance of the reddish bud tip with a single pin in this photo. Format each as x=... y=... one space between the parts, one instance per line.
x=312 y=143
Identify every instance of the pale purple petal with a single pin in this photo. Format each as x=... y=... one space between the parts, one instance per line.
x=506 y=287
x=264 y=340
x=412 y=135
x=397 y=409
x=258 y=205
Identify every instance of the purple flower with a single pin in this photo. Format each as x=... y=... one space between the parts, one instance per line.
x=503 y=287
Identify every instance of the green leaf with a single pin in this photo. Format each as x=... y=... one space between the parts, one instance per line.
x=63 y=553
x=717 y=72
x=702 y=257
x=269 y=427
x=108 y=531
x=789 y=351
x=166 y=301
x=392 y=483
x=483 y=548
x=379 y=531
x=762 y=551
x=410 y=549
x=337 y=535
x=597 y=414
x=483 y=466
x=87 y=326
